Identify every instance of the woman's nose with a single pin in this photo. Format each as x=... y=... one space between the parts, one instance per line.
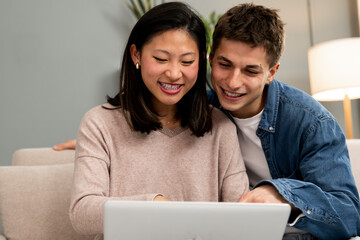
x=174 y=72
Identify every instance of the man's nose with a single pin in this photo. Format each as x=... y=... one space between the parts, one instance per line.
x=234 y=79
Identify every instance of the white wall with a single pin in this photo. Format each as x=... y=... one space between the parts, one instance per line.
x=338 y=20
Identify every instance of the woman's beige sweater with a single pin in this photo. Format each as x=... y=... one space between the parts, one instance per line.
x=114 y=162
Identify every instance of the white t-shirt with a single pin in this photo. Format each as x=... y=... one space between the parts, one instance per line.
x=254 y=157
x=253 y=154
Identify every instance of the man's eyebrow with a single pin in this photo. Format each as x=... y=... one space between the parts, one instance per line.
x=255 y=66
x=252 y=66
x=224 y=59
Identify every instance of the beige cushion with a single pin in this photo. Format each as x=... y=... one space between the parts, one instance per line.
x=42 y=156
x=34 y=202
x=354 y=153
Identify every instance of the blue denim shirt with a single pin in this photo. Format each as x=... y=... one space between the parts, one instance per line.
x=308 y=159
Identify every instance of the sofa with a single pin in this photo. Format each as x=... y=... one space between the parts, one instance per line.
x=35 y=193
x=354 y=153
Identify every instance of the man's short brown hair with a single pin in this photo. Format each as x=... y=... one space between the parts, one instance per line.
x=255 y=25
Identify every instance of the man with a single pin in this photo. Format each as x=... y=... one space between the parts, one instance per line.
x=294 y=150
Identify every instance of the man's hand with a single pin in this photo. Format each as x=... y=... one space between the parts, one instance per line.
x=263 y=194
x=268 y=194
x=161 y=198
x=69 y=144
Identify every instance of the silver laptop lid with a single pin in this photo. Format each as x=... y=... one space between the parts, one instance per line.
x=138 y=220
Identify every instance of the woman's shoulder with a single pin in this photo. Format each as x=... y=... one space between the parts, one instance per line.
x=103 y=112
x=220 y=120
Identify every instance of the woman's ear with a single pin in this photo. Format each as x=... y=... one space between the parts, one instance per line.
x=135 y=54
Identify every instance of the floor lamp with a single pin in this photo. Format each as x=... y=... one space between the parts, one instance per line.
x=334 y=69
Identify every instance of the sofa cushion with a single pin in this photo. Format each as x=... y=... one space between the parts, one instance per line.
x=35 y=200
x=354 y=154
x=42 y=156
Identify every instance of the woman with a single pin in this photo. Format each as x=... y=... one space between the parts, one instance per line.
x=158 y=139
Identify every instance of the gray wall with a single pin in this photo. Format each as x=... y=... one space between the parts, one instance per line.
x=60 y=58
x=57 y=60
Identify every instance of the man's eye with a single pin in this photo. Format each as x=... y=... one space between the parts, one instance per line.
x=224 y=64
x=252 y=72
x=160 y=59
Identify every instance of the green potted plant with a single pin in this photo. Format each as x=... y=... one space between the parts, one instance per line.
x=139 y=7
x=210 y=24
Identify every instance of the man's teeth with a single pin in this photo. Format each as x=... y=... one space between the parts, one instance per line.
x=232 y=94
x=170 y=86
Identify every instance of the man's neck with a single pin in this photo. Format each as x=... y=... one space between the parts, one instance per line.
x=243 y=115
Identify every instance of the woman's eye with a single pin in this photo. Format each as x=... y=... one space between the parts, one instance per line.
x=160 y=59
x=188 y=62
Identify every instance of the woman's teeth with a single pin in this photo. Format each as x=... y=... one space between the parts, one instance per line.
x=170 y=86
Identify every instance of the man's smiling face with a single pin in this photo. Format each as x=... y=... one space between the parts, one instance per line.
x=239 y=75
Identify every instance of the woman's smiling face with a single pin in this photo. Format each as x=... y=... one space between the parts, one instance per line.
x=169 y=65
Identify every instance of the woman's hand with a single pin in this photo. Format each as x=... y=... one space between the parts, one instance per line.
x=161 y=198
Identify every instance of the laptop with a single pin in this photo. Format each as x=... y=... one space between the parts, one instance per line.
x=140 y=220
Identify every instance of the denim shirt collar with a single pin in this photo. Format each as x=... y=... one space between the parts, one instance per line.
x=268 y=121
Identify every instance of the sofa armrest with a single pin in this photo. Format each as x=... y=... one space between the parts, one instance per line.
x=354 y=154
x=2 y=237
x=35 y=201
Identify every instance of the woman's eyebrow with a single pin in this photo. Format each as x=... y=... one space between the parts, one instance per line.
x=168 y=53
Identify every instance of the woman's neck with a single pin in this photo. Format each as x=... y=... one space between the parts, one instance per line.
x=168 y=116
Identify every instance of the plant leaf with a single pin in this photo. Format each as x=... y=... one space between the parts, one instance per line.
x=148 y=5
x=142 y=6
x=212 y=17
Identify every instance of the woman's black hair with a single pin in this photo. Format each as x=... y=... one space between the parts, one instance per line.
x=135 y=98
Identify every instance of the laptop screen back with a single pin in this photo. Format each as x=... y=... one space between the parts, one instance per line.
x=137 y=220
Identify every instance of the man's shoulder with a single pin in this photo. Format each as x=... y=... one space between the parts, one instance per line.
x=296 y=100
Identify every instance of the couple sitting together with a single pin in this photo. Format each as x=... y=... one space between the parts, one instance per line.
x=250 y=138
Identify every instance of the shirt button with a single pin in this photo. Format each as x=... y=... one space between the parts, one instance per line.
x=308 y=211
x=271 y=128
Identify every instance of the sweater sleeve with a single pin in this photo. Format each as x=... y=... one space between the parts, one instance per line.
x=91 y=178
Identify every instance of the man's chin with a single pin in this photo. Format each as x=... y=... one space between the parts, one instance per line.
x=231 y=107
